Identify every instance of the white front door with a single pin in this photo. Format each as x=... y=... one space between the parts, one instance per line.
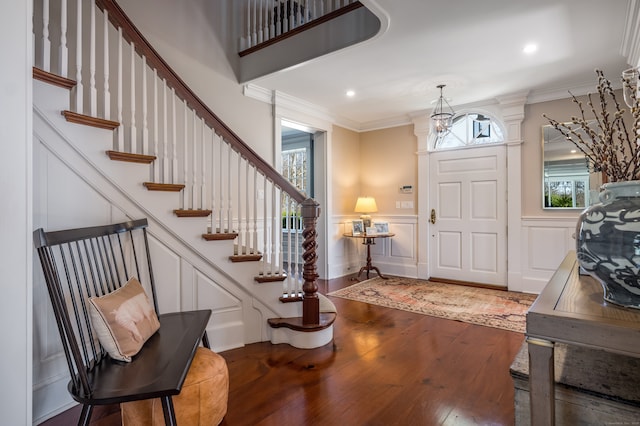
x=467 y=201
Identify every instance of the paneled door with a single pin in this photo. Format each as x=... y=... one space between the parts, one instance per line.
x=468 y=206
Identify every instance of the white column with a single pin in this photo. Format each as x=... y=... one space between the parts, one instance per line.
x=16 y=227
x=421 y=130
x=513 y=115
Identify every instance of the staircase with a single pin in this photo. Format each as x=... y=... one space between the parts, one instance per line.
x=177 y=163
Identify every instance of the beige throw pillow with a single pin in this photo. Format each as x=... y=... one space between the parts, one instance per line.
x=123 y=320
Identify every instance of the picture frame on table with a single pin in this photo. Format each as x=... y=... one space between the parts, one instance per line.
x=381 y=227
x=371 y=230
x=357 y=227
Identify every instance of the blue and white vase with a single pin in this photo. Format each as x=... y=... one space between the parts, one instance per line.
x=608 y=242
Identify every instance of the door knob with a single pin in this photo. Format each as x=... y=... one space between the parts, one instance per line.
x=432 y=219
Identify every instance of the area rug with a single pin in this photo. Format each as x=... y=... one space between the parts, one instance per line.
x=491 y=308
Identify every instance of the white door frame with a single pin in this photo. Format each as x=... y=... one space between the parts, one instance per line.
x=285 y=110
x=510 y=111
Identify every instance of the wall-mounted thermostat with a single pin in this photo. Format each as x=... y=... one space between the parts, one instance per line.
x=406 y=189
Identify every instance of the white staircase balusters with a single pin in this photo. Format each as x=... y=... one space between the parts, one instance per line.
x=240 y=241
x=185 y=192
x=165 y=133
x=214 y=200
x=221 y=185
x=275 y=227
x=229 y=179
x=253 y=20
x=106 y=94
x=254 y=245
x=265 y=21
x=174 y=138
x=156 y=136
x=145 y=109
x=79 y=103
x=194 y=183
x=133 y=131
x=46 y=42
x=120 y=131
x=63 y=49
x=203 y=166
x=265 y=230
x=93 y=90
x=248 y=199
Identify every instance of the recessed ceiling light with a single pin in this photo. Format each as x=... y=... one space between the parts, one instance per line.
x=573 y=151
x=350 y=93
x=530 y=48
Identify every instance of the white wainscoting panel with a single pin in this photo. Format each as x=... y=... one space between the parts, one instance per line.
x=393 y=256
x=545 y=242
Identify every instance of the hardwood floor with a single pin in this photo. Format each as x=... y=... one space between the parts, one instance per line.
x=384 y=367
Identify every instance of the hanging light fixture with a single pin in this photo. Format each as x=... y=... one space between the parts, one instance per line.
x=440 y=118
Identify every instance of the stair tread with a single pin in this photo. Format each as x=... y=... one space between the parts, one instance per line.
x=131 y=158
x=249 y=257
x=87 y=120
x=170 y=187
x=191 y=213
x=262 y=278
x=51 y=78
x=218 y=236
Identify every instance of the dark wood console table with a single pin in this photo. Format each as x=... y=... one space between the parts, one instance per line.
x=369 y=240
x=571 y=310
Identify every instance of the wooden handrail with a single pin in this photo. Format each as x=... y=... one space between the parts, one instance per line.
x=131 y=33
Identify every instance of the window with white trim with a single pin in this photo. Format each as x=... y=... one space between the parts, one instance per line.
x=470 y=129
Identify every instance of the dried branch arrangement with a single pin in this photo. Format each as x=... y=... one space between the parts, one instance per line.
x=607 y=144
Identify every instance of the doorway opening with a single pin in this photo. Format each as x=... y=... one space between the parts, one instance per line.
x=301 y=159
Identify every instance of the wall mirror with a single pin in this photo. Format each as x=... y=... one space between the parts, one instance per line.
x=566 y=181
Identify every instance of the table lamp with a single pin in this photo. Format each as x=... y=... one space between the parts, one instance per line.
x=366 y=205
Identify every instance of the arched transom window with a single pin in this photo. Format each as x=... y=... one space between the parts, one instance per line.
x=470 y=129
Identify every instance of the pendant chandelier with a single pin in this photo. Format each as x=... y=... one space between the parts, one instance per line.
x=441 y=119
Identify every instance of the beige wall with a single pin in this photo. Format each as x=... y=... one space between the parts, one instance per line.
x=561 y=110
x=388 y=161
x=345 y=166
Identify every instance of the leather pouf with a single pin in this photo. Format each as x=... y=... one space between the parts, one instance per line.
x=202 y=401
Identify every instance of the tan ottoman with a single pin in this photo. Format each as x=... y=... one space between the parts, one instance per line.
x=202 y=401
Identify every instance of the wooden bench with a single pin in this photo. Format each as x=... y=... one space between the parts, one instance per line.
x=93 y=262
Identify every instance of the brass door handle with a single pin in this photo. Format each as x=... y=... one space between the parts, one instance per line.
x=432 y=219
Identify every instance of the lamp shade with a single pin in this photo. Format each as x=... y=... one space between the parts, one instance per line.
x=366 y=205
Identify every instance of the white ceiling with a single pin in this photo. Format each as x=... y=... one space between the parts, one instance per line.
x=472 y=46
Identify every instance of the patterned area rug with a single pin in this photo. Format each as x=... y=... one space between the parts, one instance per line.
x=491 y=308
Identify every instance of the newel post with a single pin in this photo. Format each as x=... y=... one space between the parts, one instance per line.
x=310 y=301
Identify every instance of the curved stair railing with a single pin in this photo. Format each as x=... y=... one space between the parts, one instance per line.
x=270 y=21
x=120 y=82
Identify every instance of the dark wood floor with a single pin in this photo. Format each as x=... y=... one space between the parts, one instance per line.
x=384 y=367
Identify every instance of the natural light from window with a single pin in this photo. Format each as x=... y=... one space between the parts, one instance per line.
x=470 y=129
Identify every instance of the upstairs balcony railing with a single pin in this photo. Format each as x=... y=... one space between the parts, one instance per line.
x=120 y=78
x=268 y=21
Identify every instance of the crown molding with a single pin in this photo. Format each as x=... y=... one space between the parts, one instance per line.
x=259 y=93
x=284 y=103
